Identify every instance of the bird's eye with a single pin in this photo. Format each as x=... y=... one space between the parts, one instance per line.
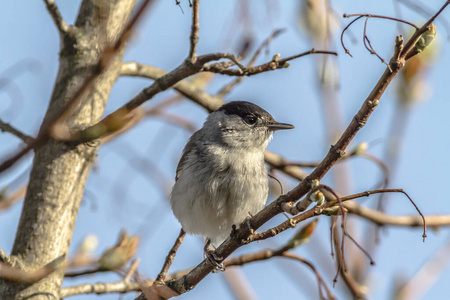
x=250 y=119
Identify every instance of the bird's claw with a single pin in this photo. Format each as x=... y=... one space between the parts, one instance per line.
x=214 y=260
x=249 y=224
x=211 y=255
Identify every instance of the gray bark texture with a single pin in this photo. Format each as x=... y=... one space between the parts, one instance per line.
x=59 y=171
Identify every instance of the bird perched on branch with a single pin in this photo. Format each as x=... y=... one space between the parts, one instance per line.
x=221 y=178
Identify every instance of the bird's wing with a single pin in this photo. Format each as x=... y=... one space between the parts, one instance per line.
x=190 y=146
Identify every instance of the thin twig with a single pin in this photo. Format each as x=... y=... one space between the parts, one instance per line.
x=320 y=280
x=56 y=16
x=5 y=127
x=171 y=256
x=352 y=284
x=367 y=16
x=281 y=252
x=381 y=165
x=365 y=194
x=269 y=66
x=279 y=183
x=342 y=35
x=9 y=199
x=228 y=88
x=341 y=258
x=420 y=8
x=410 y=45
x=178 y=3
x=369 y=46
x=366 y=253
x=92 y=270
x=381 y=17
x=132 y=269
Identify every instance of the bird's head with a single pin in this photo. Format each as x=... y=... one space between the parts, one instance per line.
x=241 y=124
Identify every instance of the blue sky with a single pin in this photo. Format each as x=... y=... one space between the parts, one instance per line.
x=118 y=195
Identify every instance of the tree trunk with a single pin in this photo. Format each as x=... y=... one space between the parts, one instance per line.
x=59 y=172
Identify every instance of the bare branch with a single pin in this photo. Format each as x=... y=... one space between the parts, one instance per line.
x=5 y=127
x=342 y=35
x=76 y=273
x=132 y=269
x=270 y=66
x=227 y=89
x=56 y=16
x=171 y=256
x=367 y=16
x=280 y=252
x=368 y=44
x=195 y=27
x=426 y=12
x=354 y=287
x=178 y=3
x=397 y=220
x=185 y=88
x=320 y=280
x=381 y=17
x=104 y=288
x=9 y=199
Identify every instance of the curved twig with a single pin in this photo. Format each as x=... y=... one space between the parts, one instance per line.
x=367 y=16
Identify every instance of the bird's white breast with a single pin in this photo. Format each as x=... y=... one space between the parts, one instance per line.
x=230 y=184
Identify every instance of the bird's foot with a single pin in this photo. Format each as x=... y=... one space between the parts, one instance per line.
x=251 y=231
x=249 y=224
x=213 y=258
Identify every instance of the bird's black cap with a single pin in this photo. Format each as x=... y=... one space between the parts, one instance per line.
x=244 y=109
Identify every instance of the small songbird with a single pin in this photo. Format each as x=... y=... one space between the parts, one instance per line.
x=221 y=178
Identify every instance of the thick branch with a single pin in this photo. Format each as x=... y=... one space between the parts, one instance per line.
x=59 y=171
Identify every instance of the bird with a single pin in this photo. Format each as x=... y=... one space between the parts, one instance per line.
x=221 y=179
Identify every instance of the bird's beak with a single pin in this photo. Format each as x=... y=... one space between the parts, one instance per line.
x=279 y=126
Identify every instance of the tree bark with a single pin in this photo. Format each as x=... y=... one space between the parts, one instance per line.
x=59 y=172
